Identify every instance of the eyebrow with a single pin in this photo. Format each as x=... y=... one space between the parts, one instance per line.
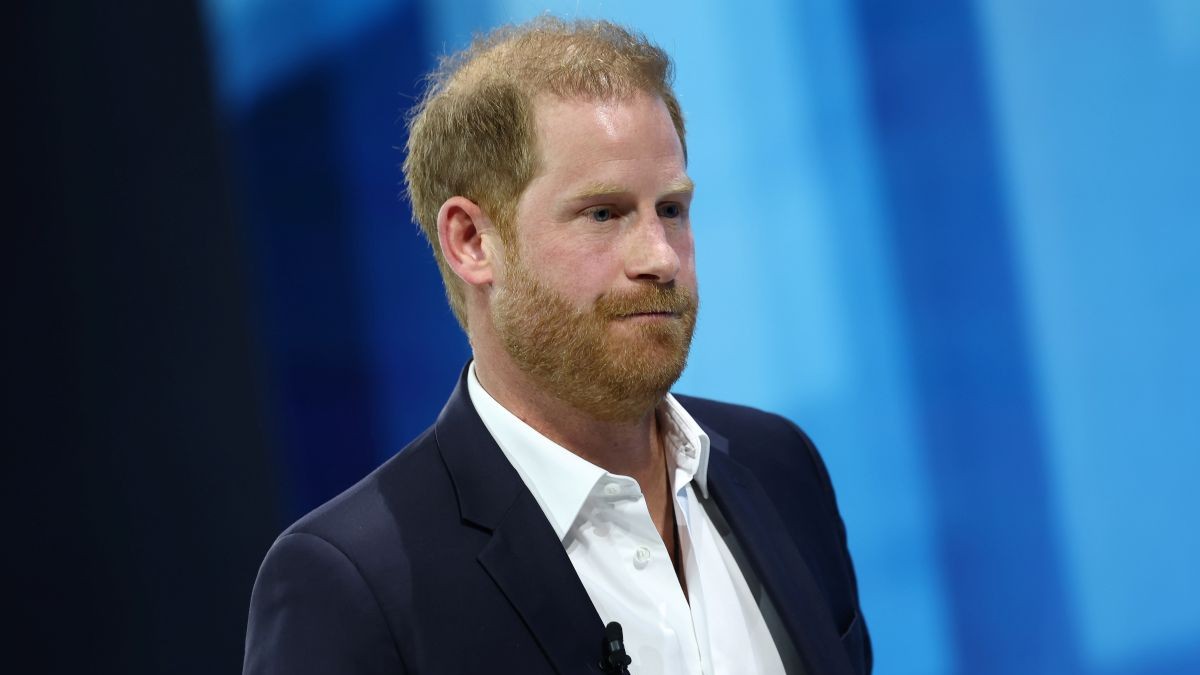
x=601 y=189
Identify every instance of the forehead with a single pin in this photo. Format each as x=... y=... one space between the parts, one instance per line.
x=603 y=139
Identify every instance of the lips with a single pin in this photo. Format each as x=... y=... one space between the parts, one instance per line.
x=660 y=302
x=663 y=313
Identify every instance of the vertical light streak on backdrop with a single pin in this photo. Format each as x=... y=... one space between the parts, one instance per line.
x=979 y=417
x=1101 y=133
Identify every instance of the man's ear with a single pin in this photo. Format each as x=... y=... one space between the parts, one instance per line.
x=462 y=229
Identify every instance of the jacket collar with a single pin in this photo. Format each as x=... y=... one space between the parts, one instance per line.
x=524 y=556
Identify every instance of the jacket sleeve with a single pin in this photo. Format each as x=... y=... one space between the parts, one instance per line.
x=312 y=612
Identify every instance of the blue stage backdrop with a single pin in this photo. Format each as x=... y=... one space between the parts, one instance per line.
x=957 y=241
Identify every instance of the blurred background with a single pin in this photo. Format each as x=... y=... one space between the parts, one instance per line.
x=957 y=242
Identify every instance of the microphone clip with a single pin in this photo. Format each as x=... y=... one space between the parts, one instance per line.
x=615 y=661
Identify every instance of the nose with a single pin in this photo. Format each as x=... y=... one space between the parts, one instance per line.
x=651 y=253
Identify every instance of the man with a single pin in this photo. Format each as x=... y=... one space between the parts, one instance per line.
x=562 y=487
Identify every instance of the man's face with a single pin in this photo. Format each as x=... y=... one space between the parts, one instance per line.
x=597 y=299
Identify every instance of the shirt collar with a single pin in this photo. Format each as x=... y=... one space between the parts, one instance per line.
x=684 y=437
x=562 y=481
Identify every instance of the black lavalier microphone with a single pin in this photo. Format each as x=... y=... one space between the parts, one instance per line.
x=615 y=660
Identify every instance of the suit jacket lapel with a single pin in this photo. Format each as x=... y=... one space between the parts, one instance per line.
x=779 y=565
x=524 y=556
x=532 y=569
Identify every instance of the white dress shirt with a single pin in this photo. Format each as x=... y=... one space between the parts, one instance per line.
x=603 y=522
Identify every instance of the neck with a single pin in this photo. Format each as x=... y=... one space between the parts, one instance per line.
x=627 y=447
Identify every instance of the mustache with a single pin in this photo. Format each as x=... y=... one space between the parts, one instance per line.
x=655 y=298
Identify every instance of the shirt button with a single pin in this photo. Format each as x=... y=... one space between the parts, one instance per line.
x=641 y=557
x=612 y=489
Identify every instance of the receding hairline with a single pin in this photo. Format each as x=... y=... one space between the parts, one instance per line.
x=524 y=50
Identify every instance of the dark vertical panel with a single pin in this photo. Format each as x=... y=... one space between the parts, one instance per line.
x=299 y=223
x=417 y=347
x=950 y=234
x=363 y=350
x=142 y=496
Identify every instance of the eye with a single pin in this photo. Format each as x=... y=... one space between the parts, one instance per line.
x=600 y=214
x=671 y=210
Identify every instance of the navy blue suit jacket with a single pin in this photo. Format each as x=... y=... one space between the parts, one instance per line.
x=441 y=561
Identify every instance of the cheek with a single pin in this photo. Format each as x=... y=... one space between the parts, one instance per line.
x=577 y=269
